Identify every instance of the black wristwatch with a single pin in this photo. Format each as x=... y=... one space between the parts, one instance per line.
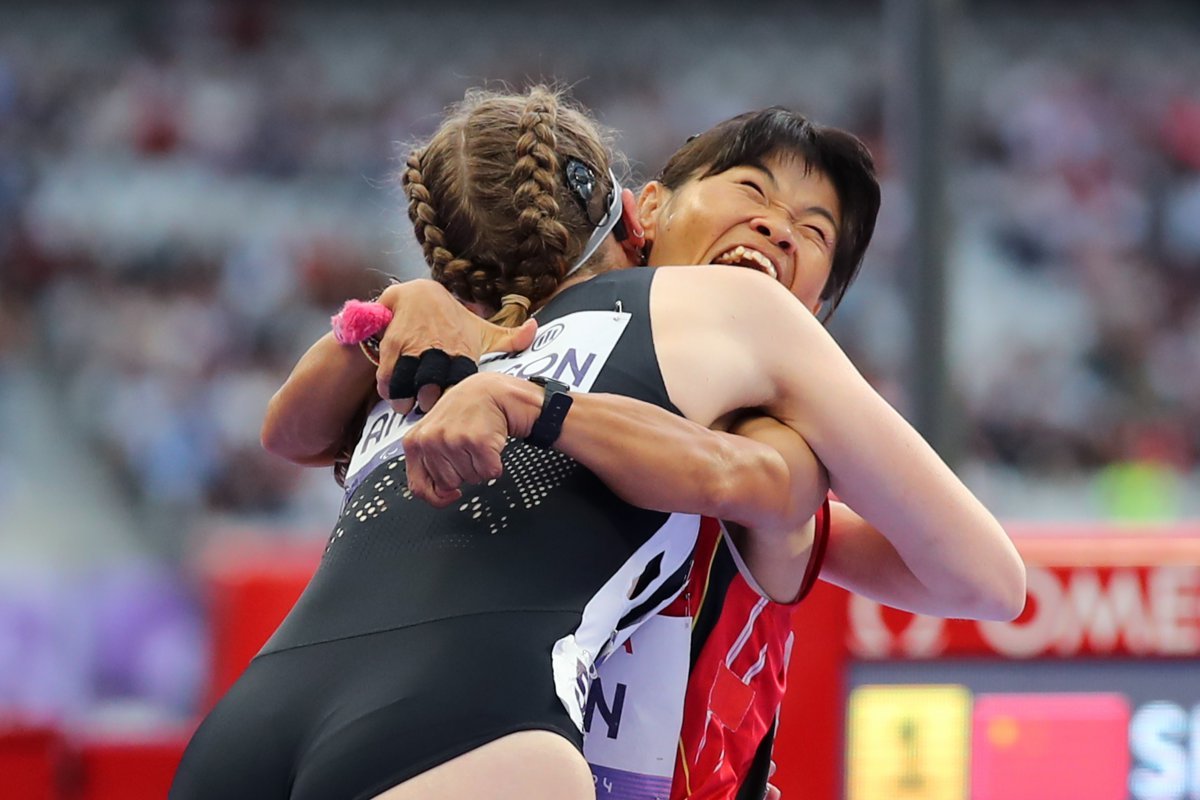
x=555 y=405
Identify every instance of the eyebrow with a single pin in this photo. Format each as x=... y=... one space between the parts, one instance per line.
x=820 y=211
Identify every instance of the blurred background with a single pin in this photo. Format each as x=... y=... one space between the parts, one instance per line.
x=189 y=189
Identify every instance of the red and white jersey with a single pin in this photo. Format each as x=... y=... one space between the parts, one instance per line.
x=707 y=733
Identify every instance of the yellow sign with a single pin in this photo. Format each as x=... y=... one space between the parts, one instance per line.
x=908 y=743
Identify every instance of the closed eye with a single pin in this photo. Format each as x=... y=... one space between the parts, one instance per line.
x=755 y=187
x=825 y=238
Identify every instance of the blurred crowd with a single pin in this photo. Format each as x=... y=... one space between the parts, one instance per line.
x=189 y=190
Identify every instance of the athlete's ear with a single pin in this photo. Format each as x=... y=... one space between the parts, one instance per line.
x=635 y=238
x=650 y=203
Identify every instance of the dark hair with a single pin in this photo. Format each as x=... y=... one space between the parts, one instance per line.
x=752 y=138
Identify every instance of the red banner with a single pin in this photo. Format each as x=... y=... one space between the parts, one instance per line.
x=1071 y=611
x=1093 y=592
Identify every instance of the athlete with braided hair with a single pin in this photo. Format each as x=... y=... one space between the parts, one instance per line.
x=445 y=649
x=712 y=185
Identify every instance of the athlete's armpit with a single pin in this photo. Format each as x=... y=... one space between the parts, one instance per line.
x=777 y=551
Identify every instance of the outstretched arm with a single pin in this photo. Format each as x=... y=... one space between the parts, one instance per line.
x=897 y=572
x=770 y=349
x=886 y=565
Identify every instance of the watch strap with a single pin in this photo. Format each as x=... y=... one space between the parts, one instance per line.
x=555 y=405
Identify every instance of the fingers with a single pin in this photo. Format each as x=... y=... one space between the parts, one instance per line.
x=523 y=336
x=485 y=463
x=423 y=378
x=423 y=487
x=402 y=383
x=433 y=367
x=438 y=370
x=429 y=477
x=498 y=339
x=438 y=464
x=399 y=383
x=444 y=473
x=443 y=499
x=427 y=395
x=461 y=368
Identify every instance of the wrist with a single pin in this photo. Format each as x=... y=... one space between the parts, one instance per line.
x=361 y=325
x=556 y=402
x=519 y=400
x=346 y=362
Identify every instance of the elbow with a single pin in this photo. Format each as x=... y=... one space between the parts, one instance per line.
x=1004 y=599
x=270 y=440
x=279 y=439
x=272 y=435
x=1015 y=592
x=273 y=440
x=739 y=489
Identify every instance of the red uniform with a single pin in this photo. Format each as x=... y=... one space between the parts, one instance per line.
x=717 y=722
x=741 y=645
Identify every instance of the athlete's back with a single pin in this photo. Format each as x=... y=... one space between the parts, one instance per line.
x=427 y=632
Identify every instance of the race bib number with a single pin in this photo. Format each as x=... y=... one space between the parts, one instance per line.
x=634 y=712
x=572 y=349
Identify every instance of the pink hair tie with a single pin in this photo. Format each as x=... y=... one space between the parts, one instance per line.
x=361 y=323
x=359 y=320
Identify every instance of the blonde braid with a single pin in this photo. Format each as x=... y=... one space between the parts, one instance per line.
x=458 y=274
x=489 y=203
x=542 y=239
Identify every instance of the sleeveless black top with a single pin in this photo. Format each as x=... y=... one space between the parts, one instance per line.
x=546 y=536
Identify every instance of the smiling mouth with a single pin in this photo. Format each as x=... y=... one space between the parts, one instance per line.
x=742 y=256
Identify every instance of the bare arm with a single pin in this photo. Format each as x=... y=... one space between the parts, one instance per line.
x=777 y=552
x=769 y=348
x=647 y=455
x=885 y=565
x=307 y=417
x=861 y=559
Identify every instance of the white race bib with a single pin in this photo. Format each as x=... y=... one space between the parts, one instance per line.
x=572 y=349
x=635 y=711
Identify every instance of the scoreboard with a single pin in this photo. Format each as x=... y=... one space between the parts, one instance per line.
x=1093 y=693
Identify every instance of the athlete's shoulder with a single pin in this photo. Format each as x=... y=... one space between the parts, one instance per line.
x=720 y=293
x=718 y=278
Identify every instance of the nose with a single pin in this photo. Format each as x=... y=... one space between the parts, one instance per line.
x=777 y=232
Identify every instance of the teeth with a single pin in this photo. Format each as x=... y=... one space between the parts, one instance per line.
x=745 y=256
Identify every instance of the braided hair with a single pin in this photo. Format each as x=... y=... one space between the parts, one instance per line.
x=489 y=203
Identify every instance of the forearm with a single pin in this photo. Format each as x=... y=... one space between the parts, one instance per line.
x=863 y=560
x=655 y=459
x=659 y=460
x=953 y=546
x=306 y=419
x=778 y=554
